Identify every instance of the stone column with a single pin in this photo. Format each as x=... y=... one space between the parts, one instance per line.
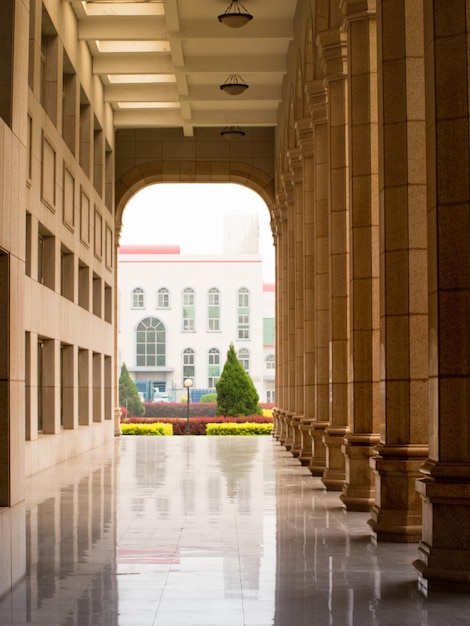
x=333 y=49
x=276 y=226
x=285 y=414
x=296 y=292
x=444 y=562
x=360 y=22
x=317 y=180
x=305 y=141
x=396 y=514
x=290 y=275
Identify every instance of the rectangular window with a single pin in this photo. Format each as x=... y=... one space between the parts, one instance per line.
x=243 y=327
x=188 y=325
x=214 y=324
x=46 y=258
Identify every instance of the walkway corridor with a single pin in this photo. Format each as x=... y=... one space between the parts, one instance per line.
x=177 y=531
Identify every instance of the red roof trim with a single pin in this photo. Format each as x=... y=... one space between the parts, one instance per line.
x=135 y=249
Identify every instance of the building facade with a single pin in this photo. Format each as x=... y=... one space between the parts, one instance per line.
x=178 y=315
x=362 y=157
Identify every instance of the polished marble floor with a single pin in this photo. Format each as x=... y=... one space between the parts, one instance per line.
x=208 y=531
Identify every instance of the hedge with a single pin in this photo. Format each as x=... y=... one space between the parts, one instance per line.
x=244 y=429
x=152 y=429
x=179 y=409
x=197 y=424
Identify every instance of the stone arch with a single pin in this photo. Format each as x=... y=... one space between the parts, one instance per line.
x=153 y=172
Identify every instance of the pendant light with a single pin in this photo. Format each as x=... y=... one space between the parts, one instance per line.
x=234 y=85
x=235 y=15
x=232 y=132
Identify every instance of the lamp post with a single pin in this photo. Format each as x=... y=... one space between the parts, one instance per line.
x=188 y=383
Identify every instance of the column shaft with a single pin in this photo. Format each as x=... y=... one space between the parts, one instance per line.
x=396 y=513
x=358 y=490
x=444 y=561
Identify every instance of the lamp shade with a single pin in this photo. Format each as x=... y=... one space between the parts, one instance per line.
x=232 y=132
x=234 y=85
x=235 y=15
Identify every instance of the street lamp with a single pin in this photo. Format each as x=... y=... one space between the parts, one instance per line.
x=188 y=383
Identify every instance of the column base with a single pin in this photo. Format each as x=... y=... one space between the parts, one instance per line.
x=396 y=515
x=335 y=469
x=444 y=563
x=305 y=455
x=296 y=435
x=289 y=439
x=358 y=489
x=318 y=461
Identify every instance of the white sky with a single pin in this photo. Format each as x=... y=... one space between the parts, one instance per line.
x=190 y=214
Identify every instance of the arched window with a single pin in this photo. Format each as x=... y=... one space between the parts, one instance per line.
x=189 y=310
x=213 y=367
x=150 y=343
x=244 y=358
x=270 y=362
x=213 y=310
x=163 y=298
x=243 y=314
x=138 y=298
x=189 y=369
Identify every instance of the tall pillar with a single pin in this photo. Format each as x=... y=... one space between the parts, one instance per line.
x=396 y=514
x=444 y=562
x=333 y=47
x=305 y=141
x=290 y=304
x=283 y=299
x=316 y=186
x=360 y=21
x=295 y=158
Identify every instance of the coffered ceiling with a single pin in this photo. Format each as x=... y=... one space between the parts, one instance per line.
x=162 y=61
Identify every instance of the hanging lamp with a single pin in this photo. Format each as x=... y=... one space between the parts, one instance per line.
x=234 y=85
x=235 y=15
x=232 y=132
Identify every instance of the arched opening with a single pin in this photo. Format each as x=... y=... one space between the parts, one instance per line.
x=186 y=252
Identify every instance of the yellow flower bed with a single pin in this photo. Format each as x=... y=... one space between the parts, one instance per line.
x=155 y=428
x=247 y=428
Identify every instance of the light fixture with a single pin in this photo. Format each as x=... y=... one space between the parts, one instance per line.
x=235 y=15
x=234 y=85
x=232 y=132
x=188 y=383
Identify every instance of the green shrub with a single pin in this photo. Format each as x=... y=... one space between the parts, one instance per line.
x=128 y=394
x=244 y=429
x=236 y=393
x=208 y=397
x=152 y=429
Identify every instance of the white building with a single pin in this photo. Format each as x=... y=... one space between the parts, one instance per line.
x=178 y=315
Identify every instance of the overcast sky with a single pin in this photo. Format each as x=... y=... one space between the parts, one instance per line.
x=191 y=215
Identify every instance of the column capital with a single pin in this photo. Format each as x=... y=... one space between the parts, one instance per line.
x=294 y=157
x=333 y=49
x=357 y=10
x=305 y=136
x=316 y=96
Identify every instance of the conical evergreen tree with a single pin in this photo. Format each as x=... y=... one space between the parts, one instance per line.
x=236 y=393
x=128 y=394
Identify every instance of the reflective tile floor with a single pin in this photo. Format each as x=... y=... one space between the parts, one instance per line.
x=208 y=531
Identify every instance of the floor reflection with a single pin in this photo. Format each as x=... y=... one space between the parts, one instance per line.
x=200 y=531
